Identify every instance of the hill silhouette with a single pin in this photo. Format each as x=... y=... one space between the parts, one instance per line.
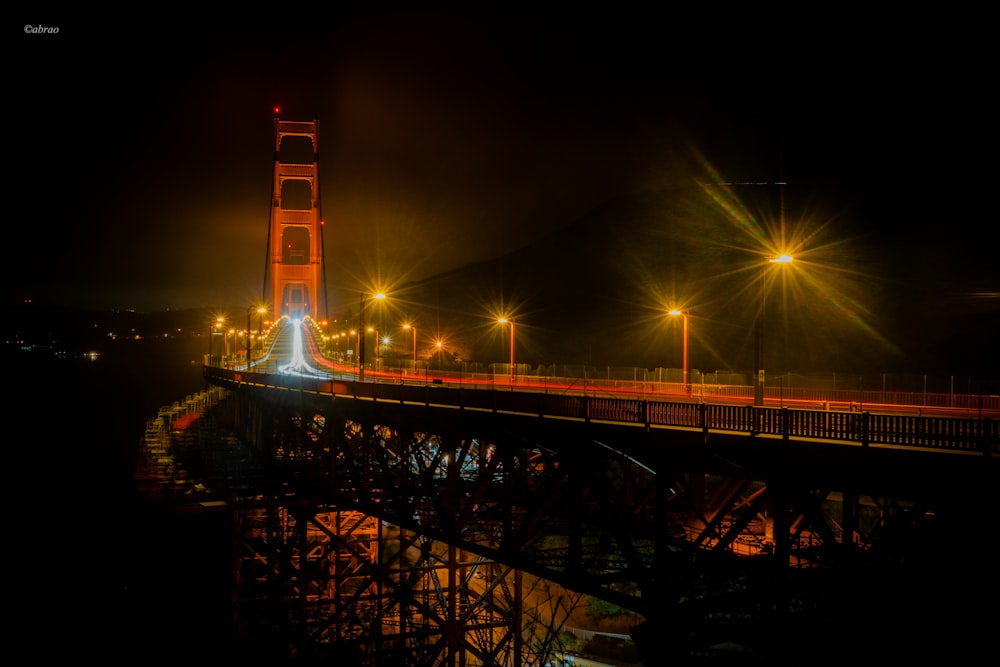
x=596 y=293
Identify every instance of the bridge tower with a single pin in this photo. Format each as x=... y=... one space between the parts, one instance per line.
x=295 y=281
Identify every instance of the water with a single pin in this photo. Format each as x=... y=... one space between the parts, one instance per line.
x=109 y=576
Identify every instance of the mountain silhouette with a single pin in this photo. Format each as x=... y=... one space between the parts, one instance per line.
x=597 y=292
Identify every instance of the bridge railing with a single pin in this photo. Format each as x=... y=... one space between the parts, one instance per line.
x=984 y=405
x=852 y=399
x=965 y=434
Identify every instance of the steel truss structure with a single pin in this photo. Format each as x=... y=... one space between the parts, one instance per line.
x=342 y=584
x=396 y=531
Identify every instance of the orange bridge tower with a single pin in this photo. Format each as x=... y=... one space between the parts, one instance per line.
x=295 y=278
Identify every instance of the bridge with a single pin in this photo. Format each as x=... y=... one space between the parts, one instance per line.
x=387 y=516
x=719 y=523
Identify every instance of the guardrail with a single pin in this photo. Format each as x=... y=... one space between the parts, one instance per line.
x=621 y=382
x=942 y=433
x=918 y=403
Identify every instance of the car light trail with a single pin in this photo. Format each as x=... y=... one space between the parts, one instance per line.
x=298 y=364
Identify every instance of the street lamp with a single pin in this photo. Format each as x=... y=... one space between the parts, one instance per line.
x=231 y=355
x=758 y=380
x=352 y=332
x=684 y=318
x=504 y=320
x=414 y=330
x=361 y=332
x=260 y=310
x=436 y=359
x=324 y=330
x=378 y=344
x=219 y=321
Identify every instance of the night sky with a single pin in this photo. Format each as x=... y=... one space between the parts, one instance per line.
x=452 y=134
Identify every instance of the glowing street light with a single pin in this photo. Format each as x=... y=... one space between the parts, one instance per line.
x=684 y=317
x=230 y=356
x=352 y=333
x=260 y=310
x=758 y=381
x=504 y=320
x=211 y=332
x=362 y=300
x=378 y=343
x=217 y=324
x=414 y=330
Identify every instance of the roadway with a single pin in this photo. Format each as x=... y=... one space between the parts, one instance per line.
x=294 y=350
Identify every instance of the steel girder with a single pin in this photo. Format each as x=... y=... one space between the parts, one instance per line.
x=693 y=533
x=335 y=583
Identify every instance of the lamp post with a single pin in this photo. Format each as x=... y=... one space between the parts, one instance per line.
x=231 y=354
x=249 y=310
x=260 y=310
x=352 y=332
x=362 y=300
x=217 y=324
x=684 y=318
x=324 y=329
x=361 y=337
x=211 y=333
x=504 y=320
x=378 y=344
x=437 y=358
x=414 y=330
x=758 y=380
x=260 y=324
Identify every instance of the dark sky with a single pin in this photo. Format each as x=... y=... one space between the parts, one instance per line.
x=450 y=134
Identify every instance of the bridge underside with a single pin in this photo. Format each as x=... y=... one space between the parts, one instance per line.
x=711 y=541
